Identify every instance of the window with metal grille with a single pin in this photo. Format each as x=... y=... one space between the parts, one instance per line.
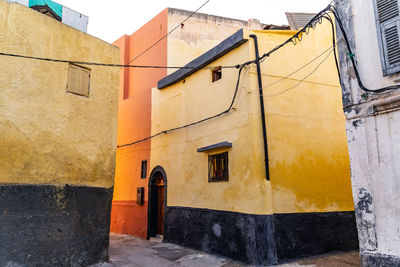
x=388 y=26
x=216 y=74
x=218 y=170
x=143 y=173
x=78 y=80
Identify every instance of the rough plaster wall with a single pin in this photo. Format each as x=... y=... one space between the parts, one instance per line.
x=309 y=167
x=308 y=176
x=177 y=151
x=48 y=136
x=374 y=153
x=373 y=137
x=386 y=184
x=134 y=114
x=199 y=34
x=361 y=173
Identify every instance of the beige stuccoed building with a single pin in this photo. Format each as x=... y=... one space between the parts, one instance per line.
x=178 y=41
x=253 y=163
x=57 y=141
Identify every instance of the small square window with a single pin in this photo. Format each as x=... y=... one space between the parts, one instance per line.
x=218 y=167
x=78 y=80
x=143 y=173
x=216 y=74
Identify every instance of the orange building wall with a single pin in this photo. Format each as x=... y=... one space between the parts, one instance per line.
x=134 y=122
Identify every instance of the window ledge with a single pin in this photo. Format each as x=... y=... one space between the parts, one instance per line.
x=215 y=146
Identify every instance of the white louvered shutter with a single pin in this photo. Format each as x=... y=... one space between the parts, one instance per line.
x=388 y=22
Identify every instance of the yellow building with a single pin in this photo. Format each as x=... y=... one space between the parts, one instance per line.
x=217 y=197
x=57 y=141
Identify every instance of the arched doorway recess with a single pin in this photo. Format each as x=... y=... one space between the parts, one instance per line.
x=157 y=202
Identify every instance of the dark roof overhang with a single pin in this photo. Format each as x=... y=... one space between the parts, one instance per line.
x=210 y=56
x=221 y=145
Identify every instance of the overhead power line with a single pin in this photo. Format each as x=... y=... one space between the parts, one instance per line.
x=199 y=121
x=294 y=39
x=324 y=14
x=297 y=37
x=299 y=82
x=165 y=36
x=299 y=69
x=107 y=64
x=330 y=49
x=352 y=56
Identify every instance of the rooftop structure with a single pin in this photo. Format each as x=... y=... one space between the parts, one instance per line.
x=58 y=12
x=298 y=20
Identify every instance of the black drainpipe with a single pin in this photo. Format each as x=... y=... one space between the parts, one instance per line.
x=260 y=87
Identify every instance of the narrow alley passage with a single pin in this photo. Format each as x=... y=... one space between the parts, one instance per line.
x=134 y=252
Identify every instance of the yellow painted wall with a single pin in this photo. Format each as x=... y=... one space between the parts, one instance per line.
x=308 y=151
x=186 y=169
x=199 y=34
x=309 y=163
x=48 y=136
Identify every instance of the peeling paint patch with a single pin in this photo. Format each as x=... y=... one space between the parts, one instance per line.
x=365 y=201
x=366 y=220
x=357 y=123
x=346 y=97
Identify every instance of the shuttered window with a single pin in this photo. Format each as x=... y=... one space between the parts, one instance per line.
x=388 y=22
x=78 y=80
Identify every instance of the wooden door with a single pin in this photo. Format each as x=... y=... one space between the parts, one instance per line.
x=160 y=221
x=160 y=205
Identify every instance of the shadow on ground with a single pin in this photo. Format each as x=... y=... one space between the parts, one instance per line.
x=130 y=251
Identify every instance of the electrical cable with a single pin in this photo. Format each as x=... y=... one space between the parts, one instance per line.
x=302 y=80
x=324 y=14
x=327 y=17
x=294 y=37
x=163 y=67
x=299 y=69
x=234 y=97
x=297 y=37
x=165 y=36
x=352 y=55
x=109 y=65
x=235 y=94
x=199 y=121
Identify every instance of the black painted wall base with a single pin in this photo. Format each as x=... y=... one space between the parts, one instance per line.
x=45 y=225
x=261 y=239
x=300 y=235
x=376 y=259
x=241 y=236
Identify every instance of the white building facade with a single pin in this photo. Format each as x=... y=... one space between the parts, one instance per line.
x=373 y=123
